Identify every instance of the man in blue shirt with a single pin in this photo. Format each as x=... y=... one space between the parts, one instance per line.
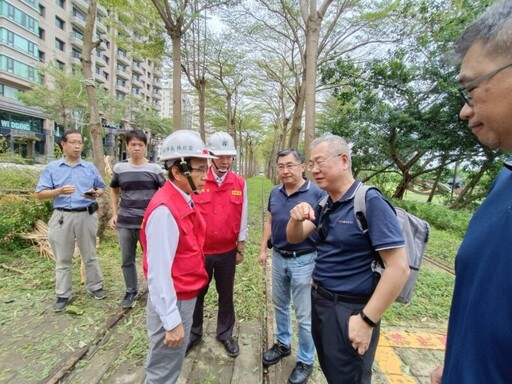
x=347 y=300
x=73 y=184
x=292 y=265
x=479 y=332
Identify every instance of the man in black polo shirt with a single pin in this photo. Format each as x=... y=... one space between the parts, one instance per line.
x=292 y=265
x=347 y=300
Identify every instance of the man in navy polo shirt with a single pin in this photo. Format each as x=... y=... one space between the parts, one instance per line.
x=347 y=301
x=292 y=265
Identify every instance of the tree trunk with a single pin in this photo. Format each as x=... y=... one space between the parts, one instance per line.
x=176 y=78
x=95 y=128
x=312 y=37
x=201 y=94
x=296 y=127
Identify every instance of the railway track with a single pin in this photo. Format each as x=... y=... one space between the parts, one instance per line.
x=440 y=265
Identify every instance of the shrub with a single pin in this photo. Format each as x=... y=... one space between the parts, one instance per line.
x=19 y=215
x=438 y=216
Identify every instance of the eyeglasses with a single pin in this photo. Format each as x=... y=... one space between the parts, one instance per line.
x=464 y=90
x=320 y=164
x=201 y=170
x=73 y=143
x=287 y=166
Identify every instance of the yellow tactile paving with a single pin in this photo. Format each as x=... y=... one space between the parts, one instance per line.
x=388 y=360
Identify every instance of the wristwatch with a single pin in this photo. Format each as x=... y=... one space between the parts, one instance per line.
x=367 y=320
x=240 y=252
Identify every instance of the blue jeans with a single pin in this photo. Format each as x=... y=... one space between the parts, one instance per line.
x=291 y=277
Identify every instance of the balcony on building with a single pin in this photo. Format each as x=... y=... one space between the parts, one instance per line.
x=100 y=78
x=83 y=5
x=136 y=81
x=122 y=88
x=76 y=41
x=137 y=67
x=123 y=57
x=99 y=60
x=75 y=61
x=77 y=21
x=125 y=75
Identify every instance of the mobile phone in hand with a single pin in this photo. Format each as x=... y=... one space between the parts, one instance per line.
x=89 y=194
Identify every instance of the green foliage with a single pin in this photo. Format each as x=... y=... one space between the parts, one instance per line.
x=431 y=301
x=19 y=215
x=438 y=216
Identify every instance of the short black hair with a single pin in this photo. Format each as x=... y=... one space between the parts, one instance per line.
x=70 y=132
x=296 y=153
x=136 y=134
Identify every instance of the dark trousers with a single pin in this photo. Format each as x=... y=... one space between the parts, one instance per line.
x=222 y=267
x=340 y=362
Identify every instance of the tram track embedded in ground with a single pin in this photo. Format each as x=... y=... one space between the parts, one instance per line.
x=440 y=265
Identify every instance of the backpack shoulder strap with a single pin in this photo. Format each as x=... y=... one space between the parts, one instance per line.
x=360 y=206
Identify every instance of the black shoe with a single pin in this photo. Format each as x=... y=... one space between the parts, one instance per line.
x=60 y=304
x=276 y=353
x=231 y=347
x=300 y=373
x=98 y=294
x=191 y=344
x=128 y=300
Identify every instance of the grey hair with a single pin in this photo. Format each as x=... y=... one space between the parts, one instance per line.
x=493 y=27
x=336 y=144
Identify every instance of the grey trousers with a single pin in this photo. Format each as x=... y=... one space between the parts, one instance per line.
x=64 y=228
x=163 y=363
x=128 y=238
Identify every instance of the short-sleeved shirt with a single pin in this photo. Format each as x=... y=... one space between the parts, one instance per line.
x=138 y=184
x=280 y=205
x=479 y=332
x=83 y=176
x=344 y=252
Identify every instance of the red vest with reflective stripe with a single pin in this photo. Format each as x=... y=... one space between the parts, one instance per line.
x=187 y=271
x=221 y=207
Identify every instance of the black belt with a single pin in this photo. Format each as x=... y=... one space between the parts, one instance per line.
x=301 y=252
x=332 y=296
x=91 y=208
x=83 y=209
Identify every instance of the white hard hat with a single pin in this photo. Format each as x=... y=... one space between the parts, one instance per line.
x=183 y=144
x=221 y=144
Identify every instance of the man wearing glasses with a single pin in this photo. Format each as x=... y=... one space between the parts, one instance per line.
x=73 y=184
x=223 y=205
x=348 y=300
x=479 y=335
x=172 y=237
x=292 y=265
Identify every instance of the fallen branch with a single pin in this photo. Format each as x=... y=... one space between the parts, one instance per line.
x=12 y=269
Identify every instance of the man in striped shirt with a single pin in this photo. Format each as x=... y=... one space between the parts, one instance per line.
x=134 y=182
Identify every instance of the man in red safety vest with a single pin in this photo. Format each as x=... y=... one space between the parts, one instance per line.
x=172 y=238
x=223 y=204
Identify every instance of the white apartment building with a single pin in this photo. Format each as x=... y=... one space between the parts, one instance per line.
x=43 y=31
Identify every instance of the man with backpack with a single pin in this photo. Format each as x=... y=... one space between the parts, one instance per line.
x=348 y=298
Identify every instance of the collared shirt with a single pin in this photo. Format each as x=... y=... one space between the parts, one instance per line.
x=480 y=313
x=344 y=253
x=280 y=204
x=82 y=175
x=160 y=285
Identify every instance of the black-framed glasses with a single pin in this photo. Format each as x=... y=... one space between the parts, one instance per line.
x=464 y=90
x=321 y=163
